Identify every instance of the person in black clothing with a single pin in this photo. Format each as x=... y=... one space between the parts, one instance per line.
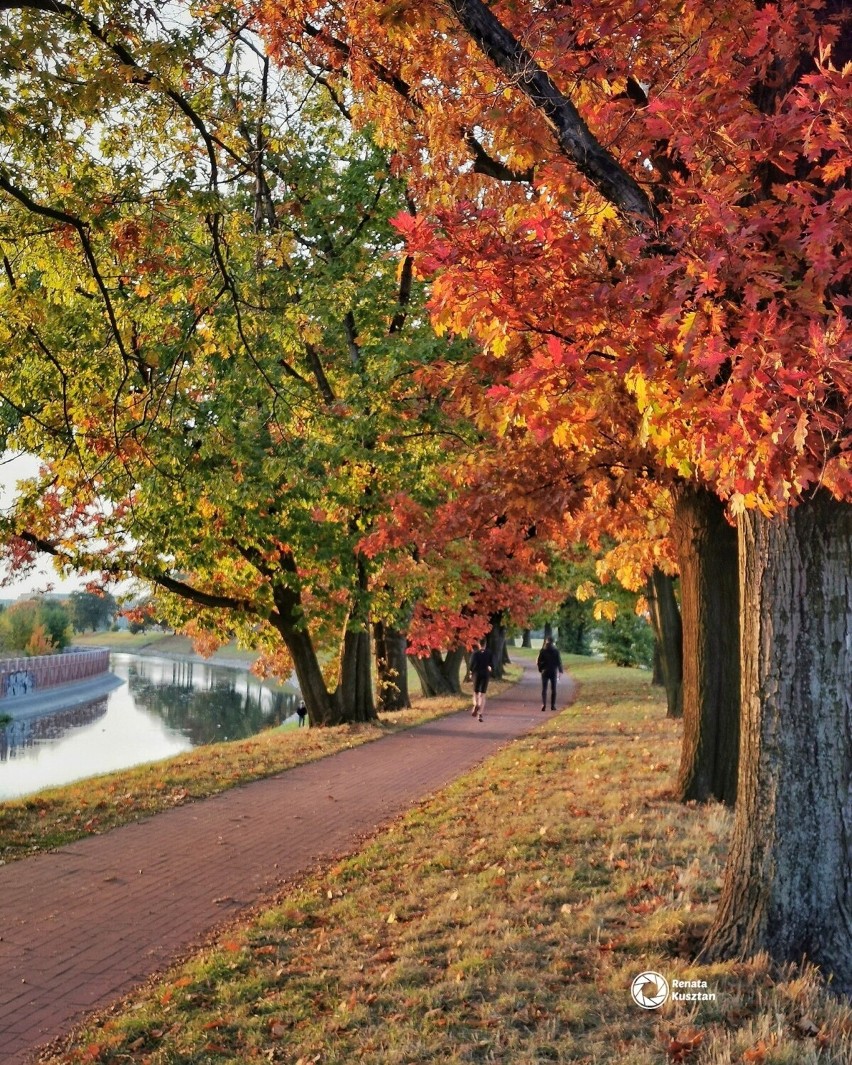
x=549 y=664
x=302 y=711
x=481 y=668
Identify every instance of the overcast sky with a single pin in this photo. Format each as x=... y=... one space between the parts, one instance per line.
x=13 y=468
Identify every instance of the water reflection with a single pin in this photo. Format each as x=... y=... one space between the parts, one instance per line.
x=24 y=733
x=163 y=707
x=209 y=704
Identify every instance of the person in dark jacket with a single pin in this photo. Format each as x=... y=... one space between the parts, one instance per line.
x=481 y=668
x=549 y=664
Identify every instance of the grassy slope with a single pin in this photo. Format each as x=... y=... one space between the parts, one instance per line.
x=502 y=921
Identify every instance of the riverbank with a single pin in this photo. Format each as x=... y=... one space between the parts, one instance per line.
x=166 y=645
x=56 y=816
x=59 y=697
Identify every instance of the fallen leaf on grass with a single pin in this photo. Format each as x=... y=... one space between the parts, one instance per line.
x=684 y=1044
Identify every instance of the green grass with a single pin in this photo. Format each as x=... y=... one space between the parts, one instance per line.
x=502 y=921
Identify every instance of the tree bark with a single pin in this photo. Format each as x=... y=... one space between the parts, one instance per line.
x=323 y=708
x=668 y=636
x=707 y=555
x=657 y=664
x=439 y=675
x=788 y=884
x=526 y=639
x=391 y=668
x=355 y=684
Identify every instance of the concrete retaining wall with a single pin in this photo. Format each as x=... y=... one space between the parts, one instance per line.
x=24 y=676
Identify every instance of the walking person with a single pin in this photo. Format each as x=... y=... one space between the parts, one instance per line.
x=549 y=664
x=302 y=711
x=481 y=668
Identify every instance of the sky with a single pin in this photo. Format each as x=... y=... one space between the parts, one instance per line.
x=13 y=468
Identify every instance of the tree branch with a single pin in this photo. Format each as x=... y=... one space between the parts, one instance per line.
x=573 y=136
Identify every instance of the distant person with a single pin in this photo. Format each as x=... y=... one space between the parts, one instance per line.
x=302 y=711
x=549 y=664
x=481 y=668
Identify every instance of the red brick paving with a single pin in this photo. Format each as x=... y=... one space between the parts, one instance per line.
x=85 y=924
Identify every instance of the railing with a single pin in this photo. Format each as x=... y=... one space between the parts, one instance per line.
x=23 y=676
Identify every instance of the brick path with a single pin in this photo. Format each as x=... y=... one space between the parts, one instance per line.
x=85 y=924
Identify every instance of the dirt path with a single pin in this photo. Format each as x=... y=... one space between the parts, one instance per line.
x=87 y=923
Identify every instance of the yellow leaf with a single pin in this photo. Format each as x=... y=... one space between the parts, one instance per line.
x=586 y=591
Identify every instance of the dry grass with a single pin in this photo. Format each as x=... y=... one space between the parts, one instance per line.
x=502 y=921
x=56 y=816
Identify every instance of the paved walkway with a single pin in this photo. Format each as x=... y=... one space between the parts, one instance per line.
x=85 y=924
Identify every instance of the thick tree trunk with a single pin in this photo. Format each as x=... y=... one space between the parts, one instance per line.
x=355 y=685
x=495 y=641
x=788 y=884
x=548 y=631
x=668 y=636
x=353 y=698
x=437 y=675
x=323 y=708
x=707 y=555
x=526 y=639
x=391 y=668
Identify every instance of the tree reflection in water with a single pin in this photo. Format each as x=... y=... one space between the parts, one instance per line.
x=162 y=707
x=19 y=734
x=207 y=704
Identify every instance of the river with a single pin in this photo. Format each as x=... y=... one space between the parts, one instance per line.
x=163 y=707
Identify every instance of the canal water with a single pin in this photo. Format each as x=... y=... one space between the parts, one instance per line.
x=162 y=707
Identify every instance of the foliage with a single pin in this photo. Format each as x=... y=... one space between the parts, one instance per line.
x=34 y=627
x=627 y=640
x=697 y=265
x=226 y=398
x=91 y=611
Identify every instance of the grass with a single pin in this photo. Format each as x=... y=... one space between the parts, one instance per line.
x=502 y=921
x=56 y=816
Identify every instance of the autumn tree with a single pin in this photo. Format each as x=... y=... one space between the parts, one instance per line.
x=676 y=180
x=89 y=610
x=468 y=558
x=205 y=335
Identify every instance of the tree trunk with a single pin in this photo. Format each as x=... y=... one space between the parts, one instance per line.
x=707 y=554
x=788 y=884
x=548 y=631
x=657 y=680
x=526 y=639
x=668 y=634
x=437 y=675
x=495 y=641
x=391 y=668
x=355 y=684
x=352 y=700
x=323 y=708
